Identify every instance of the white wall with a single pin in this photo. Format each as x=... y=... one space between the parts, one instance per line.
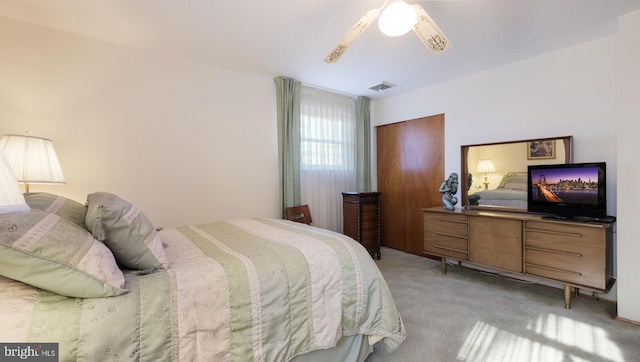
x=185 y=142
x=567 y=92
x=628 y=129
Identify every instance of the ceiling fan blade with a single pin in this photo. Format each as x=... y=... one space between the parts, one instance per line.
x=352 y=35
x=429 y=33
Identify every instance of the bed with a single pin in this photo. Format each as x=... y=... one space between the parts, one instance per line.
x=511 y=192
x=104 y=284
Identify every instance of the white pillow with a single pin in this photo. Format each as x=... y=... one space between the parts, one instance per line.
x=516 y=186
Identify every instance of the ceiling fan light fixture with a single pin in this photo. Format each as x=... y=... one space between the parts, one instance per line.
x=398 y=18
x=390 y=20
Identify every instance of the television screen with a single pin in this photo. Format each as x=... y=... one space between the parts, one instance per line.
x=568 y=190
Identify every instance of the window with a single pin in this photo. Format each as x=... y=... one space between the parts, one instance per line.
x=327 y=131
x=327 y=153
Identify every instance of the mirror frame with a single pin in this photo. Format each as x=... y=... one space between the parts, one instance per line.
x=464 y=169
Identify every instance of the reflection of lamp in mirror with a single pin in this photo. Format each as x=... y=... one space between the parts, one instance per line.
x=485 y=166
x=32 y=159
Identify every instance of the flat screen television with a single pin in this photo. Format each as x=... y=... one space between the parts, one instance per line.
x=568 y=191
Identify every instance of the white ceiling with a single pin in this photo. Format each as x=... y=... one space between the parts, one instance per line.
x=292 y=37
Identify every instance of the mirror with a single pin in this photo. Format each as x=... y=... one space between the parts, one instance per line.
x=499 y=170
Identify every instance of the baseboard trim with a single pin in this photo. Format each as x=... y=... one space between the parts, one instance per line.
x=618 y=318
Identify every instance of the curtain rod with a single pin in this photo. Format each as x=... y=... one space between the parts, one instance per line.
x=330 y=90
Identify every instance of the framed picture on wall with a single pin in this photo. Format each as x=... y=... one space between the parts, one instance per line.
x=541 y=149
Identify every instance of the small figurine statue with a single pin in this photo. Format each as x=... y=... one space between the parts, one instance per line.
x=448 y=189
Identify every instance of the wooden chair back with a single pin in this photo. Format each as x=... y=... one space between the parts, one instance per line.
x=298 y=214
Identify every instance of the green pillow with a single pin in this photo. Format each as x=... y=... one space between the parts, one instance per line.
x=49 y=252
x=125 y=230
x=61 y=206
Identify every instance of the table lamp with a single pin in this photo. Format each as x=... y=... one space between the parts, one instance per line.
x=33 y=159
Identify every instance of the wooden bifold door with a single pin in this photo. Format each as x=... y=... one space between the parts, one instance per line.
x=410 y=169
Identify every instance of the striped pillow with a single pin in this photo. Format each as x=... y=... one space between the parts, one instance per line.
x=59 y=205
x=49 y=252
x=125 y=230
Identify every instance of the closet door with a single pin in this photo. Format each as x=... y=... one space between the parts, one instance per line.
x=410 y=169
x=391 y=185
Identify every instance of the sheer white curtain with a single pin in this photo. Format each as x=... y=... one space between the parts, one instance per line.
x=328 y=154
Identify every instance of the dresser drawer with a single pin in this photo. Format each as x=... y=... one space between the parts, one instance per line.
x=582 y=275
x=371 y=224
x=353 y=198
x=369 y=215
x=369 y=207
x=543 y=234
x=446 y=235
x=444 y=224
x=566 y=254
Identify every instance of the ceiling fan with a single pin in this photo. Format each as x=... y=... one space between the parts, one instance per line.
x=396 y=18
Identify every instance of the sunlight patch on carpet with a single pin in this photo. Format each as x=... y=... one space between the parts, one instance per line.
x=549 y=338
x=569 y=332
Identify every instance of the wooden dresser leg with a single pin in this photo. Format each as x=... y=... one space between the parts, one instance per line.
x=567 y=296
x=443 y=260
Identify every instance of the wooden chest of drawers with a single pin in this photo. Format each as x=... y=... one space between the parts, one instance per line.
x=578 y=255
x=361 y=213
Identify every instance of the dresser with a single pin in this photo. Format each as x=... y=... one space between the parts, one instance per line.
x=575 y=254
x=361 y=212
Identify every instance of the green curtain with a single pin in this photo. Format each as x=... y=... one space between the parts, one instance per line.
x=288 y=104
x=363 y=144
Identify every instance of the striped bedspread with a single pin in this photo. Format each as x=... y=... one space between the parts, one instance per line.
x=238 y=290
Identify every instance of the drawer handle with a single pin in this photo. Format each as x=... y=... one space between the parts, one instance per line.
x=575 y=235
x=554 y=269
x=553 y=251
x=450 y=249
x=451 y=235
x=449 y=220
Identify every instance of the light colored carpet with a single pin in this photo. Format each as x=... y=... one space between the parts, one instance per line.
x=472 y=316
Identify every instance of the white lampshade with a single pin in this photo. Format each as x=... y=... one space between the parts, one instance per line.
x=397 y=19
x=11 y=198
x=33 y=159
x=485 y=166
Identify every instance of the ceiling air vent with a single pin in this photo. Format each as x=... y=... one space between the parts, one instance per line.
x=382 y=86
